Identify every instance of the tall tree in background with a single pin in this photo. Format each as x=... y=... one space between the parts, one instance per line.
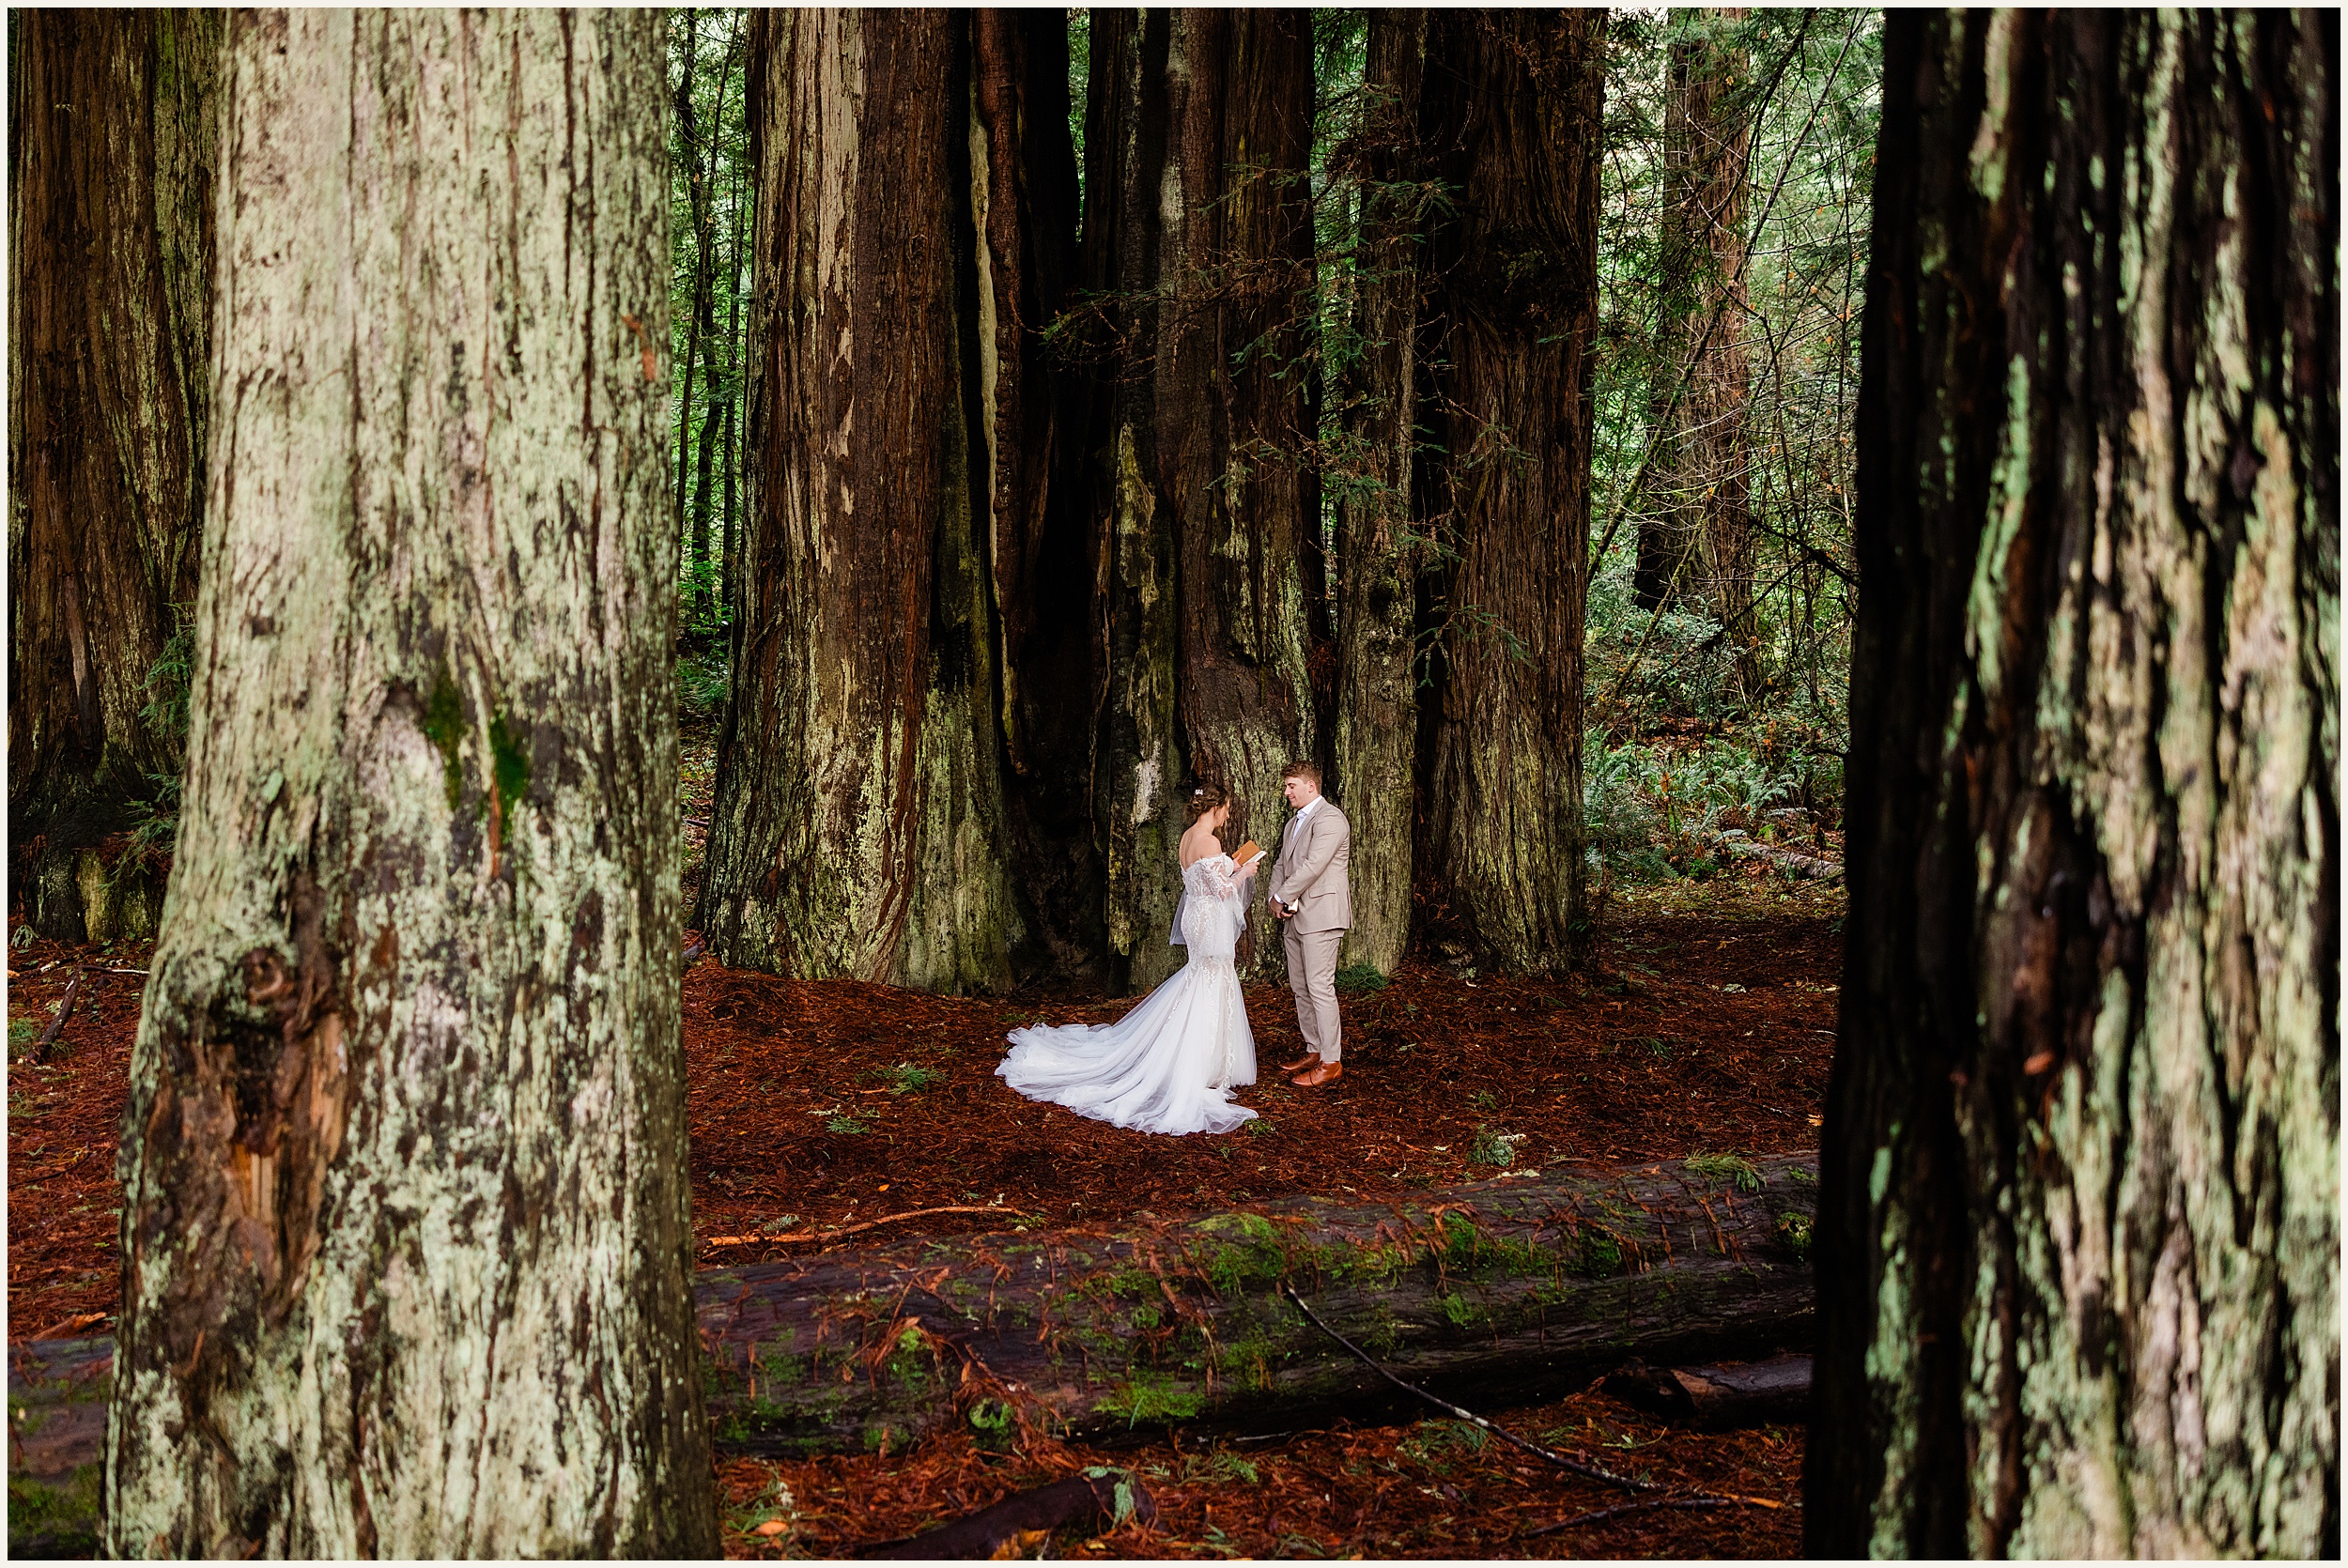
x=724 y=367
x=114 y=126
x=1702 y=539
x=1701 y=534
x=1378 y=548
x=740 y=188
x=1198 y=137
x=1511 y=113
x=405 y=1218
x=858 y=828
x=693 y=145
x=2080 y=1243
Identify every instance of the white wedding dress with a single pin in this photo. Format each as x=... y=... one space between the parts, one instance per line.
x=1170 y=1064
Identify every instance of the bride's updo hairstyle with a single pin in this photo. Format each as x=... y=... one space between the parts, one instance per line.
x=1203 y=800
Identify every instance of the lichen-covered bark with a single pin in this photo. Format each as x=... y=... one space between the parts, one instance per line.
x=1698 y=537
x=858 y=828
x=2079 y=1239
x=1377 y=665
x=113 y=125
x=1511 y=109
x=405 y=1217
x=1200 y=135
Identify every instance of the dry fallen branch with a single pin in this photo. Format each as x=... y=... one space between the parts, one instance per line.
x=65 y=1010
x=1087 y=1502
x=1575 y=1466
x=850 y=1230
x=1647 y=1504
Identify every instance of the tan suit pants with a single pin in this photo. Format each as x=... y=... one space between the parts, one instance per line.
x=1313 y=976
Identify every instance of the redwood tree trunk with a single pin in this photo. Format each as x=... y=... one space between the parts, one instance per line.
x=113 y=122
x=1706 y=144
x=1512 y=112
x=1696 y=539
x=2079 y=1215
x=858 y=828
x=1377 y=665
x=1201 y=133
x=404 y=1216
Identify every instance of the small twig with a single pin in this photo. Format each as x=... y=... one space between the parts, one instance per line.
x=1575 y=1466
x=56 y=1026
x=850 y=1230
x=1644 y=1504
x=122 y=972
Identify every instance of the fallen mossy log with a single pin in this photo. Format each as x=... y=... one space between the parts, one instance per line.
x=1499 y=1293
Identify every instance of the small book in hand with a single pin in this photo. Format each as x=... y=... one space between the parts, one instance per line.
x=1249 y=851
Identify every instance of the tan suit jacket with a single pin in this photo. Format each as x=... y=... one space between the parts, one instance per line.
x=1311 y=872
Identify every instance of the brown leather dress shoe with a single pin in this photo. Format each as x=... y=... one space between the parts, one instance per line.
x=1328 y=1073
x=1310 y=1059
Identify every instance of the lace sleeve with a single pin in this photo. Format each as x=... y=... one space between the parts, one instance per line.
x=1214 y=876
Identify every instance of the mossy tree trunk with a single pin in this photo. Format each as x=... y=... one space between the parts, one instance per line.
x=406 y=1229
x=1200 y=136
x=858 y=828
x=1377 y=665
x=113 y=123
x=2081 y=1247
x=1511 y=115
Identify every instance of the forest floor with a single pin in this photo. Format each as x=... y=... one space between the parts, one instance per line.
x=1704 y=1026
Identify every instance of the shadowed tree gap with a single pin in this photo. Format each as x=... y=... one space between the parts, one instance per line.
x=1198 y=255
x=1028 y=419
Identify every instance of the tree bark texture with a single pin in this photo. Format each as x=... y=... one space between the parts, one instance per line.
x=1511 y=111
x=1699 y=538
x=406 y=1229
x=1378 y=556
x=113 y=122
x=1499 y=1292
x=1199 y=135
x=858 y=828
x=1032 y=418
x=2079 y=1249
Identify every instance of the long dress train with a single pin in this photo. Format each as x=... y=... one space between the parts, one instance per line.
x=1170 y=1064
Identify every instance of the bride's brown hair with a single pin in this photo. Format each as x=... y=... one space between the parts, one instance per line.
x=1203 y=800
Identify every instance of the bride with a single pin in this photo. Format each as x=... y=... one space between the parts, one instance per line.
x=1170 y=1064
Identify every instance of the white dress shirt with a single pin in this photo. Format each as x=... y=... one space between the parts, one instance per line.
x=1302 y=812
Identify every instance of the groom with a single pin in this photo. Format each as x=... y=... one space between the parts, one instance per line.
x=1308 y=891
